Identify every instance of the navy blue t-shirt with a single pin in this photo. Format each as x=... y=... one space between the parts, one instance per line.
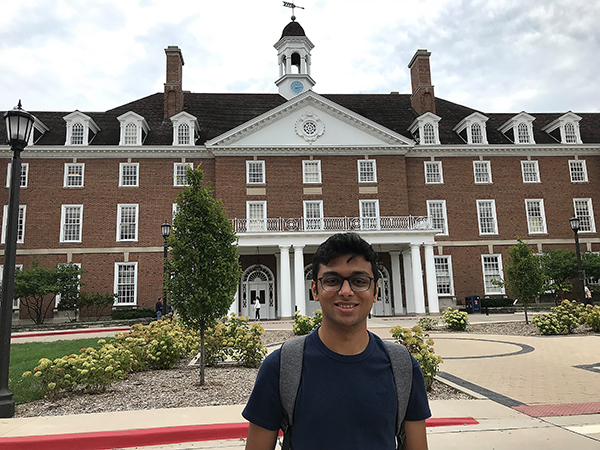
x=346 y=402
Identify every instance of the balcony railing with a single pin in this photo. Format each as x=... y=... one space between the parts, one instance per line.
x=302 y=224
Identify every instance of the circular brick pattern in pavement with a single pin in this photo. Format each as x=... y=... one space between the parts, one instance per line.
x=495 y=349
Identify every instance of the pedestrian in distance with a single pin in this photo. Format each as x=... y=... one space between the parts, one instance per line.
x=257 y=308
x=158 y=309
x=349 y=394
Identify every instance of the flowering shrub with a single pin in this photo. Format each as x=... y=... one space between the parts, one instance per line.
x=455 y=320
x=549 y=324
x=305 y=324
x=590 y=316
x=421 y=347
x=234 y=337
x=563 y=319
x=428 y=323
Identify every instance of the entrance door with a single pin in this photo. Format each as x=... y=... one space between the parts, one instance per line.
x=259 y=290
x=311 y=304
x=383 y=305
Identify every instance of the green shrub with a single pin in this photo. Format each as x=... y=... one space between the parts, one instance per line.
x=123 y=314
x=305 y=324
x=549 y=324
x=421 y=347
x=590 y=316
x=455 y=320
x=233 y=337
x=563 y=319
x=428 y=323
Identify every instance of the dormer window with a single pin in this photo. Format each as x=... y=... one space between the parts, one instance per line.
x=134 y=129
x=81 y=129
x=472 y=129
x=37 y=132
x=565 y=129
x=425 y=129
x=185 y=129
x=519 y=129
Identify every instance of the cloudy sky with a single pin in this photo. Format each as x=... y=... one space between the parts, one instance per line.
x=491 y=55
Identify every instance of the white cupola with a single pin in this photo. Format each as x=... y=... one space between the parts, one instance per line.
x=293 y=56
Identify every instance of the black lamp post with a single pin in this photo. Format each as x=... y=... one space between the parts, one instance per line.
x=575 y=227
x=165 y=229
x=19 y=124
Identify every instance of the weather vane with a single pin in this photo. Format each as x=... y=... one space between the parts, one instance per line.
x=291 y=5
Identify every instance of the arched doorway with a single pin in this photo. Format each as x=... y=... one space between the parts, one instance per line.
x=257 y=281
x=383 y=306
x=311 y=304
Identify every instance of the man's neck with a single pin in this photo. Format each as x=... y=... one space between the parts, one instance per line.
x=344 y=341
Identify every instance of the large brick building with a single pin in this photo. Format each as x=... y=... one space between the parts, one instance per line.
x=441 y=190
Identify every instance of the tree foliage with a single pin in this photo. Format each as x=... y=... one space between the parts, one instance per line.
x=559 y=267
x=37 y=287
x=524 y=275
x=203 y=271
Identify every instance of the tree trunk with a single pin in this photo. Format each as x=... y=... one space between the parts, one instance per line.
x=202 y=359
x=526 y=318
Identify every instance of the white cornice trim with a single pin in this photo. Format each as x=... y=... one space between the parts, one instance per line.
x=109 y=151
x=309 y=98
x=508 y=242
x=312 y=150
x=502 y=150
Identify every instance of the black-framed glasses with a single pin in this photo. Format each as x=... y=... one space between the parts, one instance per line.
x=358 y=283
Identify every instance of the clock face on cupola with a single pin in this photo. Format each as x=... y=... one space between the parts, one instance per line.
x=296 y=87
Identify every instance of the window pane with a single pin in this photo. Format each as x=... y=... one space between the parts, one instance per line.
x=77 y=134
x=578 y=171
x=128 y=223
x=583 y=212
x=523 y=131
x=491 y=271
x=433 y=172
x=74 y=175
x=129 y=175
x=443 y=275
x=482 y=172
x=126 y=283
x=183 y=134
x=366 y=171
x=313 y=217
x=535 y=216
x=72 y=223
x=476 y=136
x=312 y=171
x=530 y=171
x=487 y=217
x=368 y=214
x=428 y=134
x=437 y=214
x=181 y=173
x=131 y=134
x=256 y=172
x=570 y=136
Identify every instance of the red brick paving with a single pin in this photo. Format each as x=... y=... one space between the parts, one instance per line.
x=564 y=409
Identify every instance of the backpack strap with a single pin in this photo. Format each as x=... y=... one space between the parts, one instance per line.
x=290 y=372
x=402 y=369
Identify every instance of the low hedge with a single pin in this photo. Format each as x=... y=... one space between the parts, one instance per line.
x=122 y=314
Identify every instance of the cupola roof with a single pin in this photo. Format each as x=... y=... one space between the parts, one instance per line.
x=293 y=29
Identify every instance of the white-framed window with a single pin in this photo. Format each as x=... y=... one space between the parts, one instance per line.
x=134 y=128
x=127 y=222
x=16 y=301
x=313 y=214
x=433 y=172
x=492 y=270
x=578 y=171
x=125 y=286
x=79 y=128
x=443 y=275
x=530 y=171
x=24 y=174
x=367 y=171
x=311 y=171
x=425 y=129
x=486 y=215
x=185 y=128
x=523 y=133
x=71 y=223
x=436 y=209
x=180 y=173
x=472 y=129
x=476 y=134
x=369 y=214
x=256 y=215
x=74 y=173
x=482 y=170
x=536 y=216
x=255 y=172
x=565 y=129
x=129 y=174
x=570 y=134
x=519 y=128
x=585 y=213
x=20 y=224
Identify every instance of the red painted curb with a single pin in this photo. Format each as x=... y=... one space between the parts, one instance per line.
x=58 y=333
x=105 y=440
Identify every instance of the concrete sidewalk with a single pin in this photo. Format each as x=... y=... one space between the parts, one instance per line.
x=531 y=392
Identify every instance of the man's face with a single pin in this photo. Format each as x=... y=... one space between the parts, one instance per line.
x=345 y=307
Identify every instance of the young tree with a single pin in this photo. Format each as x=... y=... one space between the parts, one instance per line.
x=203 y=271
x=559 y=267
x=524 y=276
x=37 y=287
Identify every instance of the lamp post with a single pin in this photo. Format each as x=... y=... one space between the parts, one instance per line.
x=574 y=221
x=165 y=229
x=19 y=124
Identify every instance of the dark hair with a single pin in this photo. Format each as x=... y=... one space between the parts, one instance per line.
x=344 y=244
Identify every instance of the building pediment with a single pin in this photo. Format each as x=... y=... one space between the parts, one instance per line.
x=309 y=120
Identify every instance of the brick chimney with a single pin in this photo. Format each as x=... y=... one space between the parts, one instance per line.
x=423 y=98
x=173 y=99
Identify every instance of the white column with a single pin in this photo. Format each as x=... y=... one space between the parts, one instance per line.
x=300 y=296
x=417 y=274
x=278 y=286
x=285 y=294
x=396 y=283
x=235 y=305
x=408 y=282
x=432 y=296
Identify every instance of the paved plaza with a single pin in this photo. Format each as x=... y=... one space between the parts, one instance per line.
x=534 y=392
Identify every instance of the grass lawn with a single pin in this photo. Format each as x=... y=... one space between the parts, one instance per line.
x=24 y=357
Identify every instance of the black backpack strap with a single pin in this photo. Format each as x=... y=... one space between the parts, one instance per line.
x=402 y=369
x=290 y=373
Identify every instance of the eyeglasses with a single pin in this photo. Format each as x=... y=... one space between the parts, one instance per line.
x=358 y=283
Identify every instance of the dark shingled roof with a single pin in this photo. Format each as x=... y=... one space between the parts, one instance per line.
x=293 y=29
x=219 y=113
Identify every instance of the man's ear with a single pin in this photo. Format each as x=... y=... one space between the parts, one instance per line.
x=376 y=291
x=314 y=287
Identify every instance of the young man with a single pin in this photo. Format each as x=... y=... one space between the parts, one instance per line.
x=347 y=395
